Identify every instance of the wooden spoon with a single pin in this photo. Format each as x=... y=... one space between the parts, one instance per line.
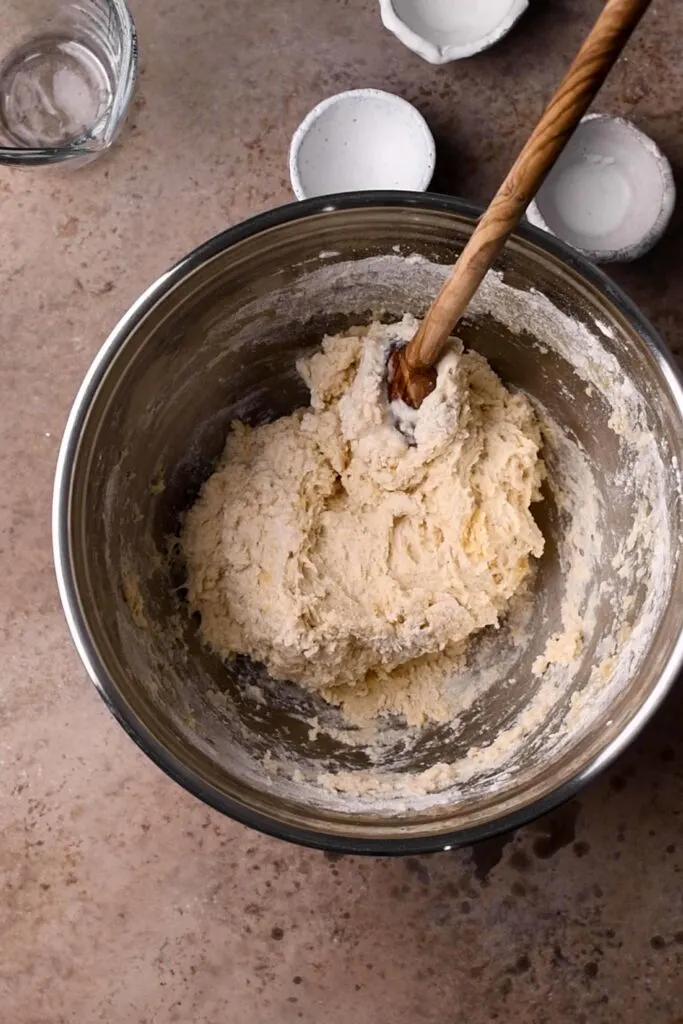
x=412 y=373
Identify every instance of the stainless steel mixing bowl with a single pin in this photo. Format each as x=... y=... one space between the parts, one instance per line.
x=216 y=338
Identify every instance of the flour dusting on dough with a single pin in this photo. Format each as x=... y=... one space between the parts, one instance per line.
x=357 y=564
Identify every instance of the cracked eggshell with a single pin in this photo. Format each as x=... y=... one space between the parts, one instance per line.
x=611 y=193
x=444 y=30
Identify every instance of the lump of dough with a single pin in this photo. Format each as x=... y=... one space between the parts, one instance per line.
x=328 y=547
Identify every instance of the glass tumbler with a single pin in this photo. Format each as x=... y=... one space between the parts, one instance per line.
x=67 y=72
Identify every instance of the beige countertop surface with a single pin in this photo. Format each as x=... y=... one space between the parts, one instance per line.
x=124 y=899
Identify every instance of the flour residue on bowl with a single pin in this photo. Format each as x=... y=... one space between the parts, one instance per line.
x=524 y=693
x=598 y=628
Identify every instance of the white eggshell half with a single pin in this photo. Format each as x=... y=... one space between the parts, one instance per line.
x=611 y=193
x=445 y=30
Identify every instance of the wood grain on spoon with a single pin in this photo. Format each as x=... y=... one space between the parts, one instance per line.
x=412 y=373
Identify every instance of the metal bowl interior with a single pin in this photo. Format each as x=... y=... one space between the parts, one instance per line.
x=217 y=339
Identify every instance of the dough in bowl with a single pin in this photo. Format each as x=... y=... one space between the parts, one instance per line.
x=328 y=547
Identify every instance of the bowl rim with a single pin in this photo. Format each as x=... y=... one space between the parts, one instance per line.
x=67 y=583
x=391 y=99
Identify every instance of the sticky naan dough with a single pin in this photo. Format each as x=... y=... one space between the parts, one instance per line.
x=327 y=547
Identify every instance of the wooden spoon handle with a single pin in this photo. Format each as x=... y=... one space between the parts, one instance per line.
x=573 y=97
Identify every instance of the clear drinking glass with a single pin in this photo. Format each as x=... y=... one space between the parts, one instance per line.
x=67 y=72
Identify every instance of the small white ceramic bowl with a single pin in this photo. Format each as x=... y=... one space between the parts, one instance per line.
x=358 y=140
x=445 y=30
x=610 y=195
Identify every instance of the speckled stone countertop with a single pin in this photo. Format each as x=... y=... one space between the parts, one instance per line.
x=126 y=901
